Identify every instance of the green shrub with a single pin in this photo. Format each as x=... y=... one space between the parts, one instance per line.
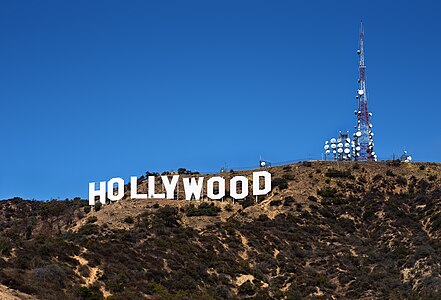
x=390 y=173
x=247 y=202
x=312 y=198
x=91 y=219
x=247 y=288
x=279 y=182
x=436 y=223
x=88 y=293
x=306 y=163
x=182 y=171
x=87 y=209
x=275 y=202
x=432 y=178
x=98 y=206
x=168 y=216
x=5 y=246
x=337 y=173
x=400 y=180
x=129 y=220
x=50 y=273
x=204 y=209
x=288 y=176
x=88 y=229
x=289 y=200
x=229 y=207
x=327 y=192
x=394 y=163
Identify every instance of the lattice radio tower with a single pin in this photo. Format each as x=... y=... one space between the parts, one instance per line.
x=363 y=137
x=361 y=147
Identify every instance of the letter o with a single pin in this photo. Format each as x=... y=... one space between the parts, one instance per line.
x=233 y=187
x=120 y=189
x=210 y=187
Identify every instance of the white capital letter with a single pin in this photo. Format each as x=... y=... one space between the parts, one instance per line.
x=101 y=193
x=256 y=183
x=119 y=186
x=134 y=189
x=152 y=189
x=210 y=187
x=170 y=186
x=193 y=188
x=233 y=187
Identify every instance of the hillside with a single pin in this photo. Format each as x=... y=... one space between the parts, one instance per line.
x=327 y=230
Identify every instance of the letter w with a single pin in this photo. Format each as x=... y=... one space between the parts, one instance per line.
x=193 y=188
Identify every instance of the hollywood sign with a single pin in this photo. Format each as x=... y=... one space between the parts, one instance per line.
x=114 y=188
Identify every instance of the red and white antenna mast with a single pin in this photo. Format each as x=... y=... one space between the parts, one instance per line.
x=363 y=137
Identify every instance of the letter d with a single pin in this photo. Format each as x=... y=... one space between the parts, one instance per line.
x=256 y=183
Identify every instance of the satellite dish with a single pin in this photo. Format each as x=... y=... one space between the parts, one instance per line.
x=328 y=151
x=326 y=142
x=347 y=151
x=340 y=145
x=355 y=112
x=340 y=150
x=347 y=145
x=333 y=146
x=372 y=134
x=333 y=140
x=409 y=158
x=333 y=151
x=357 y=148
x=348 y=140
x=370 y=114
x=326 y=147
x=339 y=140
x=345 y=157
x=262 y=163
x=360 y=92
x=358 y=133
x=370 y=125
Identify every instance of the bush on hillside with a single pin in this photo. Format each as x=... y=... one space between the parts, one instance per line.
x=281 y=183
x=337 y=173
x=204 y=209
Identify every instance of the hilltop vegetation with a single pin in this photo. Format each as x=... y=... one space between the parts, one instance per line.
x=347 y=230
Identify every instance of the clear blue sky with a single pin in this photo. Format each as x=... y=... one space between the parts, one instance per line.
x=92 y=90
